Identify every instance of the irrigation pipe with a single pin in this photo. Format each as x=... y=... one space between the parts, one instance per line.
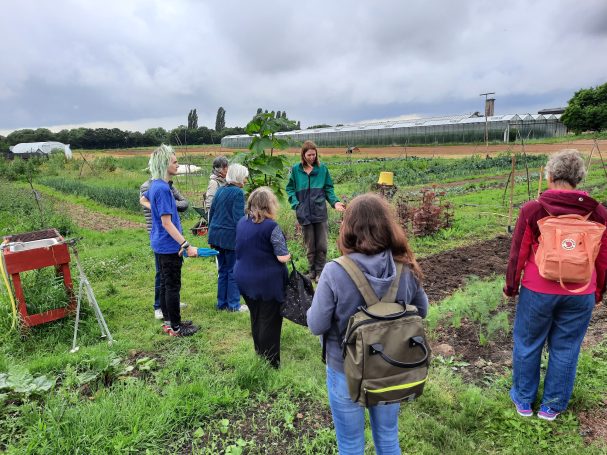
x=8 y=289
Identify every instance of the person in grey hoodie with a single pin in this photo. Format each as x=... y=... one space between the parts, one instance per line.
x=216 y=180
x=370 y=236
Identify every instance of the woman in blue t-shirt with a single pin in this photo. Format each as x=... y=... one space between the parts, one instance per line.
x=260 y=271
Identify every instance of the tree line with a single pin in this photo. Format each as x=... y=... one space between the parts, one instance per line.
x=114 y=138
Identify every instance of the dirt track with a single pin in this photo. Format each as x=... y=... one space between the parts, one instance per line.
x=453 y=151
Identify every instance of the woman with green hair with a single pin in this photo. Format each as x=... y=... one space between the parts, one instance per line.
x=167 y=239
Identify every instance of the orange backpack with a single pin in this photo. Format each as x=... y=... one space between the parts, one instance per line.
x=568 y=247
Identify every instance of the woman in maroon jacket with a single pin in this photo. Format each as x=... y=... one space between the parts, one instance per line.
x=546 y=312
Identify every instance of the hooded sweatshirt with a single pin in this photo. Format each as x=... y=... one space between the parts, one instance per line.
x=216 y=181
x=337 y=298
x=525 y=243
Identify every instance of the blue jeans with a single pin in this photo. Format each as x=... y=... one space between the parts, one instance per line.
x=349 y=420
x=156 y=284
x=560 y=320
x=228 y=295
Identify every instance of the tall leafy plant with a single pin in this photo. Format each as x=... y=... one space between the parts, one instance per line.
x=265 y=168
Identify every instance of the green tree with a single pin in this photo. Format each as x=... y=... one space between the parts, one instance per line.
x=220 y=120
x=259 y=110
x=192 y=120
x=155 y=136
x=266 y=169
x=587 y=110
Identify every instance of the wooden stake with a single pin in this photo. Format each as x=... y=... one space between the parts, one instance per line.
x=590 y=160
x=596 y=144
x=539 y=186
x=511 y=193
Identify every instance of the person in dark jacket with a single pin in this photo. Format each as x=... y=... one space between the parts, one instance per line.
x=182 y=206
x=226 y=211
x=545 y=312
x=309 y=186
x=372 y=238
x=260 y=271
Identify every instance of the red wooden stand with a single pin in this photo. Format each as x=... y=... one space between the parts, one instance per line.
x=56 y=255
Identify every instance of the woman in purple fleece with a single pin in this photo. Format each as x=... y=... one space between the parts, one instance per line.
x=370 y=236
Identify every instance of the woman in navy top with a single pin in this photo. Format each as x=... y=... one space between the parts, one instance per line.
x=227 y=209
x=260 y=271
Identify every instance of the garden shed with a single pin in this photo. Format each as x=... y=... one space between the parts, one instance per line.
x=27 y=149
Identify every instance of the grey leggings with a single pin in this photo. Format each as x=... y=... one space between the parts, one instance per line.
x=315 y=238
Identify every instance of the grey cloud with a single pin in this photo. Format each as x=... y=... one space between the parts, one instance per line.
x=328 y=62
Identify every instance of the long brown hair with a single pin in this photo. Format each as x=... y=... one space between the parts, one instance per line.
x=369 y=227
x=309 y=145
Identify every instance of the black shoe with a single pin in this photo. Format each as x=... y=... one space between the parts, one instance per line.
x=183 y=331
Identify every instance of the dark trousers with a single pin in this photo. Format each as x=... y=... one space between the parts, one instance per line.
x=266 y=324
x=315 y=238
x=156 y=284
x=170 y=286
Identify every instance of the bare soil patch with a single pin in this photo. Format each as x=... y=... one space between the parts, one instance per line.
x=592 y=425
x=447 y=271
x=96 y=221
x=452 y=151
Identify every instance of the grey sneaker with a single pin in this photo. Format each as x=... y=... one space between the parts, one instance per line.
x=158 y=314
x=243 y=309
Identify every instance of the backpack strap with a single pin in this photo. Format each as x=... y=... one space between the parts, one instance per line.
x=391 y=294
x=361 y=282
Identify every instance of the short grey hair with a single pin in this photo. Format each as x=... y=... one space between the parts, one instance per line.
x=567 y=166
x=220 y=162
x=236 y=174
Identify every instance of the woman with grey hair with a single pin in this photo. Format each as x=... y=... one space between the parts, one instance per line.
x=216 y=180
x=548 y=311
x=226 y=211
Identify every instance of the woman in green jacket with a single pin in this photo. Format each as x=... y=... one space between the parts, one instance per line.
x=309 y=186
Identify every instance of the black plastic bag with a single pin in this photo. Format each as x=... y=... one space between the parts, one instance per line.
x=298 y=297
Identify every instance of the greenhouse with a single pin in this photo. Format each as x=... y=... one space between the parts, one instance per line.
x=426 y=131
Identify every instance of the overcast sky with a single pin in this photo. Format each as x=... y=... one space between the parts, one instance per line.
x=138 y=64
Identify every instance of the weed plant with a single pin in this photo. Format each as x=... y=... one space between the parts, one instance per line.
x=23 y=211
x=43 y=290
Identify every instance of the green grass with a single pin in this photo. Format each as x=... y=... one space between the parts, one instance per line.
x=210 y=393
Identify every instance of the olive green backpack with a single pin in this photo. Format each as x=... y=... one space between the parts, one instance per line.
x=386 y=354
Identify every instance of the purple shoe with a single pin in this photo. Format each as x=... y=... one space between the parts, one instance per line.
x=546 y=413
x=523 y=409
